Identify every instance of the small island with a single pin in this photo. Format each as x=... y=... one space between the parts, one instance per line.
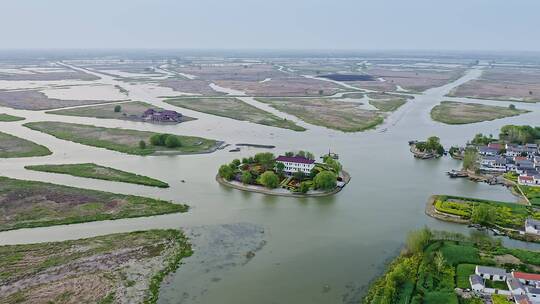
x=91 y=170
x=9 y=118
x=126 y=140
x=458 y=113
x=431 y=148
x=292 y=174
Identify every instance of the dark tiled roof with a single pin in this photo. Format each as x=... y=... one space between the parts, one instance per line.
x=295 y=159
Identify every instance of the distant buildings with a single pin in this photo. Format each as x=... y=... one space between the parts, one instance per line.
x=296 y=163
x=162 y=116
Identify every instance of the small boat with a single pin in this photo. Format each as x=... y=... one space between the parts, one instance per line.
x=235 y=150
x=413 y=142
x=456 y=173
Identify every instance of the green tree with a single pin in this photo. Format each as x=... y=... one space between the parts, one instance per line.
x=159 y=139
x=301 y=154
x=334 y=164
x=289 y=154
x=310 y=155
x=439 y=261
x=226 y=172
x=325 y=180
x=156 y=140
x=172 y=141
x=512 y=107
x=117 y=108
x=266 y=159
x=470 y=159
x=303 y=187
x=236 y=162
x=280 y=167
x=269 y=179
x=246 y=177
x=142 y=144
x=483 y=214
x=417 y=240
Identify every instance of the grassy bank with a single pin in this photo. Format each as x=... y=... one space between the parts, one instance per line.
x=90 y=170
x=28 y=204
x=329 y=113
x=486 y=212
x=456 y=113
x=236 y=109
x=9 y=118
x=125 y=267
x=121 y=140
x=13 y=146
x=434 y=263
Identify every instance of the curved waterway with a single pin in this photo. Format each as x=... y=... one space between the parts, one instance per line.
x=315 y=250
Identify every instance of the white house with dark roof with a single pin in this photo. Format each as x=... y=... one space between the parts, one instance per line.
x=491 y=273
x=296 y=163
x=477 y=283
x=532 y=226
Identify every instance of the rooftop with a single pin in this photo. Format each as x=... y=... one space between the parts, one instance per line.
x=526 y=276
x=295 y=159
x=491 y=270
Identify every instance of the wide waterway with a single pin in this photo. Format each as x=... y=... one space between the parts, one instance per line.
x=318 y=250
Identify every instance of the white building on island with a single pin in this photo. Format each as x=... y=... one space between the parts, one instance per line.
x=296 y=163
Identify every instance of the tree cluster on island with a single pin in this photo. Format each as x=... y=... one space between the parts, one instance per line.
x=431 y=145
x=263 y=170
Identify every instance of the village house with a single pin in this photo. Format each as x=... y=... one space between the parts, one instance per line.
x=532 y=226
x=491 y=273
x=162 y=116
x=515 y=150
x=296 y=163
x=523 y=287
x=477 y=283
x=493 y=164
x=487 y=151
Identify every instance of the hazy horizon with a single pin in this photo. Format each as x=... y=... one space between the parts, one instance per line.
x=417 y=25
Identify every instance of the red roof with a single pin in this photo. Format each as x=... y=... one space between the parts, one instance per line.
x=520 y=158
x=497 y=146
x=295 y=159
x=524 y=177
x=526 y=276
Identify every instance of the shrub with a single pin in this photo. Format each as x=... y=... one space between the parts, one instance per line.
x=325 y=180
x=304 y=187
x=172 y=141
x=269 y=179
x=226 y=172
x=142 y=144
x=117 y=108
x=246 y=177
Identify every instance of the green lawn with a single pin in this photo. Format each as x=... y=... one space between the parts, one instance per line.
x=236 y=109
x=121 y=140
x=13 y=146
x=439 y=297
x=455 y=113
x=28 y=204
x=90 y=170
x=9 y=118
x=463 y=271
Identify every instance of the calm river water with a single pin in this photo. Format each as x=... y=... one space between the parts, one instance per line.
x=318 y=250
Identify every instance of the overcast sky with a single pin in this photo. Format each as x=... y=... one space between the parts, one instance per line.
x=494 y=25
